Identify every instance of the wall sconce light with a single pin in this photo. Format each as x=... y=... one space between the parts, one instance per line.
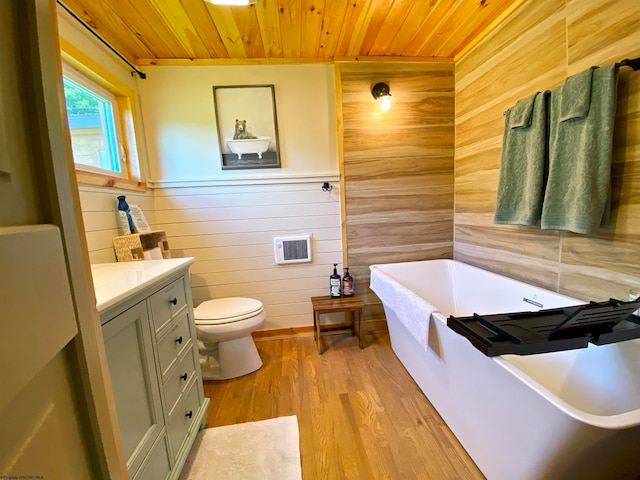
x=382 y=96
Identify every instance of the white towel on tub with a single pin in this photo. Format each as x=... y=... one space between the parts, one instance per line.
x=413 y=311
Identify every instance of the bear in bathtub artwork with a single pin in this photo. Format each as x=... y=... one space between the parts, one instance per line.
x=241 y=132
x=244 y=143
x=247 y=126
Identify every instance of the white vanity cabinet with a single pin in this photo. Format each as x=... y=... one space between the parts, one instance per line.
x=129 y=348
x=150 y=342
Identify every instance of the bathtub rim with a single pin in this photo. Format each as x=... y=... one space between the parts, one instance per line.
x=243 y=146
x=247 y=140
x=618 y=421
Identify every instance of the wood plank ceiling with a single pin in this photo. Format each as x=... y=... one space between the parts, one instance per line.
x=154 y=31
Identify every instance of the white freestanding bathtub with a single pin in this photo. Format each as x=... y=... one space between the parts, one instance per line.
x=564 y=415
x=248 y=145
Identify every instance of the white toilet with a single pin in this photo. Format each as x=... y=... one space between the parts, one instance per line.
x=223 y=328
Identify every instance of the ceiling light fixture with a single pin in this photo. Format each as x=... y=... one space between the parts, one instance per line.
x=382 y=96
x=236 y=3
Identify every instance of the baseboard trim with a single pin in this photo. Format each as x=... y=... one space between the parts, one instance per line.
x=279 y=333
x=307 y=331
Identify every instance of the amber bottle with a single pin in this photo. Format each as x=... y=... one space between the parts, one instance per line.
x=347 y=284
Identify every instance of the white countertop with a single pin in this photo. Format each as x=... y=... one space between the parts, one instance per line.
x=114 y=282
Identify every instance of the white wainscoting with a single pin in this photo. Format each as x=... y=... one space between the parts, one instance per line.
x=99 y=216
x=229 y=229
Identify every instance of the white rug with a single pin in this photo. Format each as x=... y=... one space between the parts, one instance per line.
x=265 y=450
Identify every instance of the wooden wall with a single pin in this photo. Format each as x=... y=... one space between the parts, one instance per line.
x=397 y=167
x=538 y=46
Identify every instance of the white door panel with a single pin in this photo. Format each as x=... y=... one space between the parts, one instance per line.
x=47 y=426
x=37 y=310
x=17 y=187
x=41 y=432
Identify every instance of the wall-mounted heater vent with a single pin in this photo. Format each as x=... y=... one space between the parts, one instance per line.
x=294 y=249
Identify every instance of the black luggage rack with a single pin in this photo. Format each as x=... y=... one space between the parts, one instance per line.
x=551 y=330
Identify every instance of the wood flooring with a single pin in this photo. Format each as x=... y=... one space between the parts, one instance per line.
x=360 y=414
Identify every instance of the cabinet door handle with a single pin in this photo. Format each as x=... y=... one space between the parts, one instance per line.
x=179 y=340
x=173 y=301
x=189 y=414
x=184 y=377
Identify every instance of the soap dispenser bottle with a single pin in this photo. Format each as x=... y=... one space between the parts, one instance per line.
x=125 y=222
x=347 y=284
x=335 y=282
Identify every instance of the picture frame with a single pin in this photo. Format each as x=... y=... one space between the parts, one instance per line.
x=5 y=161
x=247 y=126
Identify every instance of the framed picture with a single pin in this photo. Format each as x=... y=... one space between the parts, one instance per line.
x=247 y=126
x=5 y=167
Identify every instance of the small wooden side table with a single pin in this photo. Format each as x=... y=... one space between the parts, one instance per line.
x=349 y=305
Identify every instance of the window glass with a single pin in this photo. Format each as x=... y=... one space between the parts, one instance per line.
x=92 y=114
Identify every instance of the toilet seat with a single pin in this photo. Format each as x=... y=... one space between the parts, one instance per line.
x=225 y=345
x=226 y=310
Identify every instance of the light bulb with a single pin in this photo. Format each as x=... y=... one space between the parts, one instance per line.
x=385 y=103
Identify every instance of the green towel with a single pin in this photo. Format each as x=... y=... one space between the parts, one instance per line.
x=522 y=111
x=578 y=192
x=523 y=162
x=576 y=96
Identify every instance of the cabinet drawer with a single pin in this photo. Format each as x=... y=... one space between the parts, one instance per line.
x=157 y=464
x=128 y=345
x=181 y=421
x=167 y=302
x=176 y=340
x=178 y=378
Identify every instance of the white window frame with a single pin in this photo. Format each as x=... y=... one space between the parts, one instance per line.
x=87 y=83
x=129 y=121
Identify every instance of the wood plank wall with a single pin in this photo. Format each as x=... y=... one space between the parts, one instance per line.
x=397 y=168
x=98 y=214
x=538 y=46
x=229 y=229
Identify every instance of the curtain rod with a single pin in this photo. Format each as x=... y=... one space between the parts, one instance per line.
x=633 y=63
x=135 y=71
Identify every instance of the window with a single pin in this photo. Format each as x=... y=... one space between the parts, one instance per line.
x=104 y=122
x=93 y=117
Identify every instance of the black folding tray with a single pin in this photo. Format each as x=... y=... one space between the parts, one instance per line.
x=551 y=330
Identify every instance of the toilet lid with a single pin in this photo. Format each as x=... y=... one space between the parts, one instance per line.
x=226 y=310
